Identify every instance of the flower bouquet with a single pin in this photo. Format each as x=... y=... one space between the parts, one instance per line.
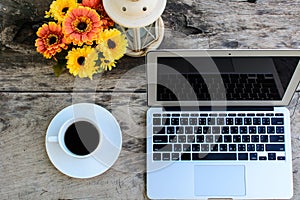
x=80 y=37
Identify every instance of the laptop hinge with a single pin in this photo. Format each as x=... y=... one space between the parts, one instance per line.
x=215 y=108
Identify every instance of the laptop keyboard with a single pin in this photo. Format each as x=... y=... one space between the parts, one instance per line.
x=218 y=136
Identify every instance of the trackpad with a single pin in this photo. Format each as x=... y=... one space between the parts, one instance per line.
x=218 y=180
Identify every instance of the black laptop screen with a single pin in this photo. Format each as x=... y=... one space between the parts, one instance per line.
x=224 y=78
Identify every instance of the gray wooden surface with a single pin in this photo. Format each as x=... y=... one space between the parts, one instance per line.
x=30 y=96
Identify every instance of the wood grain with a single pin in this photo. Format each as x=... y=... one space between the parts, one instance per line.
x=30 y=96
x=27 y=173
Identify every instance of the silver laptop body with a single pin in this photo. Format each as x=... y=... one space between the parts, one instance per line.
x=217 y=126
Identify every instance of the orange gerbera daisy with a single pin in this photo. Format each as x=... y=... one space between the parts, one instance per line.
x=98 y=5
x=51 y=40
x=82 y=25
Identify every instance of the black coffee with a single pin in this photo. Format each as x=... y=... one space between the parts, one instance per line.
x=82 y=138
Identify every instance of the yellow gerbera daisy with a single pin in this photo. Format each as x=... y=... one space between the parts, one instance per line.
x=112 y=43
x=76 y=59
x=59 y=9
x=93 y=61
x=107 y=64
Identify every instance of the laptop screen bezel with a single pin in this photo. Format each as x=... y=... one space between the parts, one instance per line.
x=152 y=61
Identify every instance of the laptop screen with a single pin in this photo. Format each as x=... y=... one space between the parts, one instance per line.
x=224 y=78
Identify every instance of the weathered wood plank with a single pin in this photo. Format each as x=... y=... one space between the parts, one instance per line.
x=26 y=171
x=190 y=24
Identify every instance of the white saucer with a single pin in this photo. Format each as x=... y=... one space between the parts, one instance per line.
x=102 y=159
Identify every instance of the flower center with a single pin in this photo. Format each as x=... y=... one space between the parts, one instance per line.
x=52 y=40
x=65 y=9
x=111 y=44
x=82 y=26
x=80 y=60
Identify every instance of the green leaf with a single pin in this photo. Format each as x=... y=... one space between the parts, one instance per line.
x=60 y=67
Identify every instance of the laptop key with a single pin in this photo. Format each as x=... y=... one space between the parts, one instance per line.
x=172 y=139
x=181 y=139
x=195 y=147
x=270 y=129
x=206 y=130
x=211 y=121
x=238 y=121
x=275 y=147
x=256 y=121
x=243 y=156
x=243 y=129
x=188 y=130
x=186 y=147
x=254 y=138
x=250 y=147
x=166 y=156
x=159 y=130
x=262 y=157
x=200 y=138
x=276 y=138
x=174 y=121
x=236 y=138
x=253 y=156
x=214 y=147
x=177 y=147
x=175 y=156
x=202 y=121
x=279 y=129
x=271 y=156
x=223 y=147
x=264 y=138
x=247 y=121
x=170 y=130
x=165 y=121
x=252 y=129
x=214 y=156
x=229 y=121
x=193 y=121
x=234 y=129
x=218 y=138
x=184 y=121
x=160 y=139
x=185 y=156
x=232 y=147
x=265 y=121
x=227 y=138
x=220 y=121
x=156 y=121
x=162 y=147
x=277 y=121
x=204 y=147
x=261 y=129
x=260 y=147
x=241 y=147
x=156 y=156
x=246 y=138
x=280 y=157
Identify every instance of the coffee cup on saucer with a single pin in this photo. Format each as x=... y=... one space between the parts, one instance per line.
x=83 y=140
x=78 y=137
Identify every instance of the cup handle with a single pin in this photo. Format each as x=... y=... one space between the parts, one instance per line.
x=52 y=139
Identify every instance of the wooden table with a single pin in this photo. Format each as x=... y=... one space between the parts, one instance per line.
x=30 y=96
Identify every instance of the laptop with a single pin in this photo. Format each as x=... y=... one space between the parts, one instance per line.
x=217 y=125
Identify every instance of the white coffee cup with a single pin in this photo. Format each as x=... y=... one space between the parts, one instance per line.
x=67 y=137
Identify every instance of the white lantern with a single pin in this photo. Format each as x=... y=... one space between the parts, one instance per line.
x=140 y=21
